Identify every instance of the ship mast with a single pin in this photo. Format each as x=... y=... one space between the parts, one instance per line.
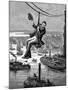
x=65 y=35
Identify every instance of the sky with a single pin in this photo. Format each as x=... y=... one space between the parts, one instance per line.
x=18 y=16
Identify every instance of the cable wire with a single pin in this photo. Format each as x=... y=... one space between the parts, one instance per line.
x=35 y=9
x=46 y=12
x=39 y=8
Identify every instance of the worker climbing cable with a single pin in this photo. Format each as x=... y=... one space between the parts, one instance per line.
x=35 y=37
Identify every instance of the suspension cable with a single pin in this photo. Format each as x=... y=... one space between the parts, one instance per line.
x=45 y=11
x=46 y=14
x=35 y=9
x=39 y=8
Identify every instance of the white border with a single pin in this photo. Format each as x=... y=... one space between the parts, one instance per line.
x=4 y=27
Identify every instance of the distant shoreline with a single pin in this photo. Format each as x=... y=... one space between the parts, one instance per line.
x=27 y=31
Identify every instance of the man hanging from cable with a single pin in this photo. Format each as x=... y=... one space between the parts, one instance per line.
x=35 y=37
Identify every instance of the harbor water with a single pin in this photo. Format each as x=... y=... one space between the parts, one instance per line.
x=16 y=79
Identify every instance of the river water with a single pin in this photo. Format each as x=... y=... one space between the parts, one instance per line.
x=16 y=79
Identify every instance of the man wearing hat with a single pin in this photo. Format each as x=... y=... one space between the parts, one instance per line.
x=35 y=38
